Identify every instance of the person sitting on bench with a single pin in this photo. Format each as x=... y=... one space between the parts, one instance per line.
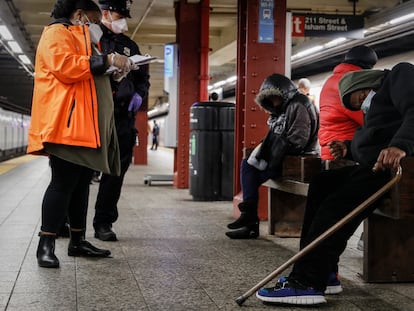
x=378 y=146
x=293 y=126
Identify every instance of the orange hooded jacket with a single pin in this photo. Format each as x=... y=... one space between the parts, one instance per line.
x=64 y=106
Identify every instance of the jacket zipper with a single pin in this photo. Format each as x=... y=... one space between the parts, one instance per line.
x=71 y=112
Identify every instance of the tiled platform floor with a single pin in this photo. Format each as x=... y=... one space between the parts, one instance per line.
x=172 y=254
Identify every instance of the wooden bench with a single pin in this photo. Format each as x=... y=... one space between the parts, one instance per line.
x=287 y=195
x=388 y=233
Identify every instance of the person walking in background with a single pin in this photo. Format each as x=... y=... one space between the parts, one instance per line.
x=304 y=86
x=129 y=89
x=64 y=124
x=155 y=134
x=293 y=127
x=337 y=122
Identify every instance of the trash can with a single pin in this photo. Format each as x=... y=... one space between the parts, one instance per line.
x=211 y=151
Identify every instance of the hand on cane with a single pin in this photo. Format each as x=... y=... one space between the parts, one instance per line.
x=389 y=158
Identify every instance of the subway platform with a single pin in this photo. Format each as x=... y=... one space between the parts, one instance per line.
x=172 y=253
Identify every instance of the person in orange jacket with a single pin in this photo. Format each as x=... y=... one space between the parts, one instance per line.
x=65 y=124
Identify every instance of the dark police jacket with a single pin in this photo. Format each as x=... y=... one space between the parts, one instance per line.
x=136 y=80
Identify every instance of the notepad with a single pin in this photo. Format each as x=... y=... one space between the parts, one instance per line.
x=137 y=59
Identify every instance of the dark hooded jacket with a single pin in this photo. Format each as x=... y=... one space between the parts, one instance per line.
x=389 y=121
x=293 y=126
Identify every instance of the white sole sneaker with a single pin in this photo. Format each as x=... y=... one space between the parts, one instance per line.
x=333 y=290
x=294 y=300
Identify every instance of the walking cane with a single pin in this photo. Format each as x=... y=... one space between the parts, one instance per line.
x=240 y=300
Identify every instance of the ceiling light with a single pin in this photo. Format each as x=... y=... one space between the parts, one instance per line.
x=401 y=19
x=307 y=52
x=219 y=83
x=231 y=79
x=15 y=47
x=334 y=42
x=25 y=59
x=5 y=33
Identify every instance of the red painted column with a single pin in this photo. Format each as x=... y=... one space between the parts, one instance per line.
x=256 y=61
x=188 y=18
x=141 y=124
x=204 y=48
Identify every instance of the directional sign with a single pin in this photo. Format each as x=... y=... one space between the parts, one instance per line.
x=323 y=25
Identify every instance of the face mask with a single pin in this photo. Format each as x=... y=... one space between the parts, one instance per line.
x=95 y=32
x=367 y=101
x=119 y=25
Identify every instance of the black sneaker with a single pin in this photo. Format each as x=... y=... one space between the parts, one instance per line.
x=105 y=233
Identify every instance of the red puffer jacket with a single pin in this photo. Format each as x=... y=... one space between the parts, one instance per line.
x=336 y=122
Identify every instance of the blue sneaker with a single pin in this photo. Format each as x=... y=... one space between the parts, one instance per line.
x=283 y=292
x=333 y=286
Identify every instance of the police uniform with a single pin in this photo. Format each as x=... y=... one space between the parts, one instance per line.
x=137 y=81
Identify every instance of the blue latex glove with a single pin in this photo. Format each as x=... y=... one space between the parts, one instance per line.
x=135 y=103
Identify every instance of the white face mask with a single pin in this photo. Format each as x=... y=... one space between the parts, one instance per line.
x=367 y=101
x=95 y=32
x=119 y=25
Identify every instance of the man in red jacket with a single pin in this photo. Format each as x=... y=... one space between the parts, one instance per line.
x=337 y=122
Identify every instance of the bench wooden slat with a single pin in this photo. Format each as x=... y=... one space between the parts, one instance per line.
x=288 y=185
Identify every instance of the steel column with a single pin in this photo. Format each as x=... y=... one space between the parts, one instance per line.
x=141 y=124
x=192 y=58
x=256 y=61
x=204 y=48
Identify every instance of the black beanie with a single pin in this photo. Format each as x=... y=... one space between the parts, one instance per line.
x=361 y=56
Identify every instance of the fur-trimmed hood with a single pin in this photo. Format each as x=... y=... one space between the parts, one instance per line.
x=275 y=85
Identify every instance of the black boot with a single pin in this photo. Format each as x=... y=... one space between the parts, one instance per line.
x=250 y=231
x=104 y=232
x=248 y=216
x=78 y=246
x=63 y=231
x=46 y=252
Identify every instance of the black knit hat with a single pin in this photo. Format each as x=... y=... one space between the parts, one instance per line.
x=361 y=56
x=120 y=6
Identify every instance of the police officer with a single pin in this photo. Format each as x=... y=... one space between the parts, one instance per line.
x=129 y=89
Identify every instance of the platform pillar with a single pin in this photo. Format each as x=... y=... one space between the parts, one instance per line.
x=255 y=61
x=141 y=124
x=192 y=39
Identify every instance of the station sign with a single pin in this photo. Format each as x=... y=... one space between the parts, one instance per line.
x=266 y=22
x=325 y=25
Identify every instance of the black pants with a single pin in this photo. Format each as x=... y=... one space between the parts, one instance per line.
x=332 y=195
x=106 y=209
x=67 y=194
